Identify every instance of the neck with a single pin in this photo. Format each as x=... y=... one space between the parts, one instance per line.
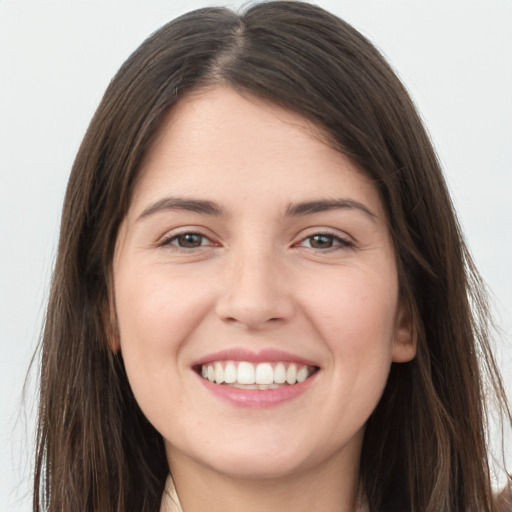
x=329 y=488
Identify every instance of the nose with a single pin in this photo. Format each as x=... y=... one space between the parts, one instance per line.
x=255 y=292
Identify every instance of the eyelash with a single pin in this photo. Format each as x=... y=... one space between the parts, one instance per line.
x=169 y=240
x=337 y=242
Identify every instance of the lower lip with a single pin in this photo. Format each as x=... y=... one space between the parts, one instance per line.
x=257 y=397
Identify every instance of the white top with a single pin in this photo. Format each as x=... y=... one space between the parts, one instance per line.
x=170 y=500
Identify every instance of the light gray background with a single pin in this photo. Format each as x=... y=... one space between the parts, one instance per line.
x=56 y=59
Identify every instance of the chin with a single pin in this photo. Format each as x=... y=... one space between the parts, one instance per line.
x=256 y=460
x=252 y=467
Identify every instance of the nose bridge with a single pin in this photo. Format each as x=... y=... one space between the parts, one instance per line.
x=254 y=288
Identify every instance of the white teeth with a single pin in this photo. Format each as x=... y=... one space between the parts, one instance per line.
x=261 y=376
x=291 y=374
x=264 y=373
x=219 y=373
x=302 y=374
x=245 y=386
x=279 y=373
x=229 y=372
x=245 y=373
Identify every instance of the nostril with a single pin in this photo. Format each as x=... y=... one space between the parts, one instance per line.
x=251 y=322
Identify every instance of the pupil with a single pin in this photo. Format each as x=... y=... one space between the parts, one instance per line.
x=190 y=240
x=321 y=241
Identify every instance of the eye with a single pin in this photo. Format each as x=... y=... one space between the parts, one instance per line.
x=187 y=240
x=325 y=241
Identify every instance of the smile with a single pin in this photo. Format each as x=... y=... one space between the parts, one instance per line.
x=262 y=376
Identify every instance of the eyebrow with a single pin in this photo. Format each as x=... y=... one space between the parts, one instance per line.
x=310 y=207
x=293 y=210
x=178 y=203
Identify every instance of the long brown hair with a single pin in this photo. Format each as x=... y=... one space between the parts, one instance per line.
x=426 y=441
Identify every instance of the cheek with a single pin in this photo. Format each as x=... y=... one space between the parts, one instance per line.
x=355 y=316
x=156 y=311
x=157 y=314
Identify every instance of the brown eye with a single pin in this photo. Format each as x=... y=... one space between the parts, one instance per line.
x=321 y=241
x=187 y=240
x=325 y=241
x=190 y=240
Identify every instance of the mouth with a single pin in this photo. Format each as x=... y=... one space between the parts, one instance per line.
x=255 y=376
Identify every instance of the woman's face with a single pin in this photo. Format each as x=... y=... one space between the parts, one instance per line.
x=256 y=291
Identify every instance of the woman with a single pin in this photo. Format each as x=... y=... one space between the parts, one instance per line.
x=262 y=299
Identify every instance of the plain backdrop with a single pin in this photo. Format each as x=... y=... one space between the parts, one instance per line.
x=56 y=59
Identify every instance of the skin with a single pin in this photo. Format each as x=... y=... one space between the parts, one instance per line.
x=257 y=280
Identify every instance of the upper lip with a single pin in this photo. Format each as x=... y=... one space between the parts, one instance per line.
x=260 y=356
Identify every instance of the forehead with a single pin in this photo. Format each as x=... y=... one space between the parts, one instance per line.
x=226 y=147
